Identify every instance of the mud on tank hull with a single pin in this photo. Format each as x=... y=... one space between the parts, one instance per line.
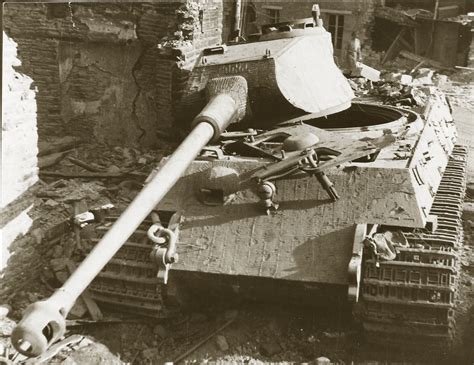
x=312 y=249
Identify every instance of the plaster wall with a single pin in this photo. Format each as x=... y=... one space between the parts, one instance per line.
x=19 y=137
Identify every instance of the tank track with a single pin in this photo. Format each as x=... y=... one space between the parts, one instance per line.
x=128 y=282
x=412 y=300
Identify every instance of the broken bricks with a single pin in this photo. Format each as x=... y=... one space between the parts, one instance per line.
x=322 y=360
x=160 y=331
x=270 y=348
x=398 y=78
x=368 y=72
x=4 y=310
x=221 y=343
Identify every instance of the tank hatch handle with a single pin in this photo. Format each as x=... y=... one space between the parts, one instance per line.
x=215 y=50
x=212 y=152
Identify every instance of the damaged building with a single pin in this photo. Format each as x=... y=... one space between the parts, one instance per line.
x=106 y=73
x=432 y=29
x=378 y=23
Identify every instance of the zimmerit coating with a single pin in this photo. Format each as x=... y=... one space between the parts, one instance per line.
x=234 y=86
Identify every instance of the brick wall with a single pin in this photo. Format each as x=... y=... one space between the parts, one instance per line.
x=109 y=72
x=204 y=24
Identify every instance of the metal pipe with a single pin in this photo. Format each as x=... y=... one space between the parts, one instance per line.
x=238 y=7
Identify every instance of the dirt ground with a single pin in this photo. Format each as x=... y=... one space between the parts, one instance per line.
x=250 y=333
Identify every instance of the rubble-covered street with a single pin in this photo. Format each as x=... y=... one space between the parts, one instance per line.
x=82 y=178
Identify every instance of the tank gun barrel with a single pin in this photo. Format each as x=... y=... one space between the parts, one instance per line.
x=44 y=322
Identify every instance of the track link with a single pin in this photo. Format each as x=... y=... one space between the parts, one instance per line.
x=412 y=299
x=128 y=282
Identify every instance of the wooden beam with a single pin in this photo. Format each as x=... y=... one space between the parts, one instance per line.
x=395 y=16
x=92 y=307
x=394 y=48
x=414 y=34
x=405 y=43
x=428 y=61
x=418 y=65
x=436 y=10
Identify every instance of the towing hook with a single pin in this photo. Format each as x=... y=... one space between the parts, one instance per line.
x=164 y=237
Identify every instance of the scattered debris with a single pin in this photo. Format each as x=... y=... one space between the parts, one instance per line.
x=468 y=213
x=221 y=342
x=424 y=76
x=334 y=334
x=427 y=61
x=69 y=342
x=401 y=89
x=202 y=342
x=114 y=169
x=270 y=348
x=90 y=175
x=322 y=360
x=398 y=77
x=79 y=309
x=149 y=354
x=91 y=305
x=4 y=310
x=52 y=159
x=231 y=314
x=51 y=203
x=85 y=165
x=58 y=145
x=57 y=264
x=368 y=72
x=160 y=331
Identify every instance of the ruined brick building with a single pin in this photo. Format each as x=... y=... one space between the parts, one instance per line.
x=108 y=70
x=341 y=18
x=99 y=72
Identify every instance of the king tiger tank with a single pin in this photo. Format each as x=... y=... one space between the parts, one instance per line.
x=286 y=187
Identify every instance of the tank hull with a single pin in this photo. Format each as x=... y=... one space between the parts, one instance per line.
x=310 y=251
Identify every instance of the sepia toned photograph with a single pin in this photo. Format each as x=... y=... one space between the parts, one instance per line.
x=237 y=182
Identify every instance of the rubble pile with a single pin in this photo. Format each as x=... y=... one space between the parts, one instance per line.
x=74 y=159
x=79 y=178
x=411 y=90
x=76 y=180
x=374 y=59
